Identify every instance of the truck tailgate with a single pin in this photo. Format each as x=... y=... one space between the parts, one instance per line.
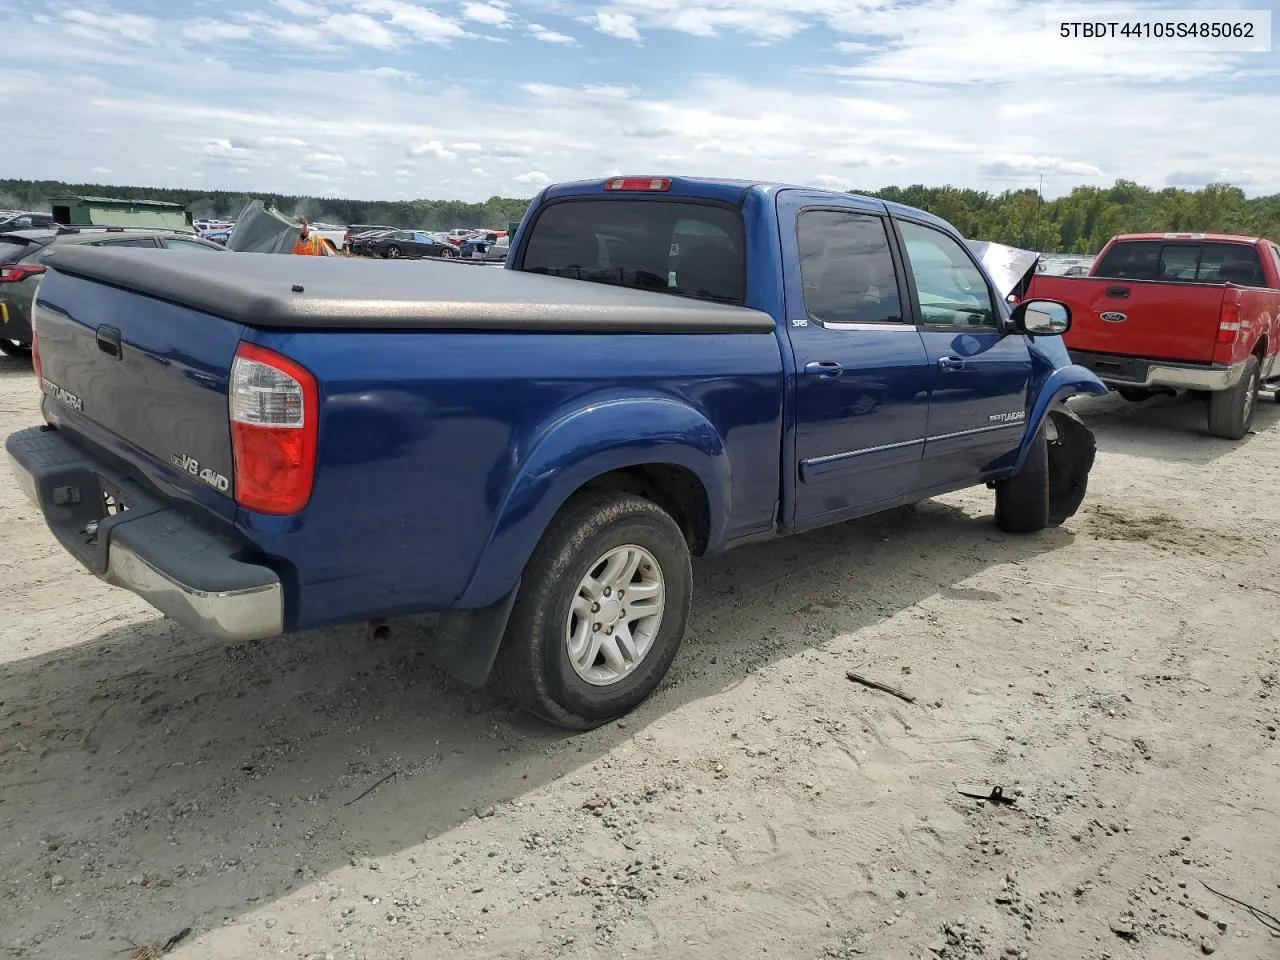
x=1138 y=318
x=142 y=380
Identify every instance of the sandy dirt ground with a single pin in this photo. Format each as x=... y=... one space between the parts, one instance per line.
x=322 y=796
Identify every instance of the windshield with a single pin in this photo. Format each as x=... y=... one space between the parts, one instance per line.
x=686 y=248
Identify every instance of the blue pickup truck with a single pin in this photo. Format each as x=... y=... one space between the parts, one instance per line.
x=666 y=368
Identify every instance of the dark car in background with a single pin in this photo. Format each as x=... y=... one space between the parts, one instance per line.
x=411 y=243
x=20 y=220
x=355 y=229
x=361 y=242
x=22 y=254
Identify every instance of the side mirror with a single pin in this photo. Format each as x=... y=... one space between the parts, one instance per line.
x=1041 y=318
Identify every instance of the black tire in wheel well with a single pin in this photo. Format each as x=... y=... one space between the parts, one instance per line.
x=675 y=489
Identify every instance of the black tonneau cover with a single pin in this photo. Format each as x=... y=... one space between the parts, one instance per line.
x=264 y=290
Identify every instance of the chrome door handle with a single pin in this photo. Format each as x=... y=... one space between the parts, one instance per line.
x=823 y=369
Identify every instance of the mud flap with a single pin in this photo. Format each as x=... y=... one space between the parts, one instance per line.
x=1071 y=449
x=465 y=642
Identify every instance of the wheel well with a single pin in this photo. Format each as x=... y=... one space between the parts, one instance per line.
x=676 y=490
x=1260 y=348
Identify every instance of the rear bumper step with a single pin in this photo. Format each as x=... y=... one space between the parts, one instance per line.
x=186 y=571
x=1120 y=371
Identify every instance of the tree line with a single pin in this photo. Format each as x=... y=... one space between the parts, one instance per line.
x=495 y=213
x=1079 y=222
x=1087 y=217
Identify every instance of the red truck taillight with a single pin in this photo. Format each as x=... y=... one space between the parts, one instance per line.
x=1229 y=320
x=274 y=406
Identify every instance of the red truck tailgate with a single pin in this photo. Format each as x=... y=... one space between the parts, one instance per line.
x=1156 y=320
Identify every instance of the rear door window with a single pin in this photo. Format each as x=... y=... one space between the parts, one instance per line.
x=846 y=268
x=685 y=248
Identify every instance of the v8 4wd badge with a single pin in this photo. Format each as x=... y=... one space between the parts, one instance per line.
x=192 y=466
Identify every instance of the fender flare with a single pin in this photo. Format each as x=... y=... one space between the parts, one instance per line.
x=1062 y=383
x=585 y=444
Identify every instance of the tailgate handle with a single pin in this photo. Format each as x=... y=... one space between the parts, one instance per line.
x=109 y=340
x=1121 y=292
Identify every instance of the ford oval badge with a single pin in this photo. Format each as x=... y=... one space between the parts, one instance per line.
x=1112 y=317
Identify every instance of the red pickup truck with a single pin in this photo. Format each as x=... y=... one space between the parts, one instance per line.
x=1178 y=313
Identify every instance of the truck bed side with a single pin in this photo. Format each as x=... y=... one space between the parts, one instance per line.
x=422 y=437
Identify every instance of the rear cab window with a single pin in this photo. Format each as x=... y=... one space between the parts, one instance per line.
x=683 y=247
x=1182 y=262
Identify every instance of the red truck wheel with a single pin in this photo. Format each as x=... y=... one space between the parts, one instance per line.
x=1231 y=411
x=602 y=608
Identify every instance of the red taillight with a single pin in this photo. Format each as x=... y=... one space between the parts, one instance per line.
x=35 y=357
x=17 y=272
x=654 y=184
x=274 y=407
x=1229 y=320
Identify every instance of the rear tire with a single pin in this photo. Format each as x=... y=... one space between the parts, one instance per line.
x=12 y=348
x=1022 y=501
x=393 y=252
x=554 y=661
x=1231 y=411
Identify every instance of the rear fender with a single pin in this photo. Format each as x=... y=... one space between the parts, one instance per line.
x=1062 y=383
x=576 y=449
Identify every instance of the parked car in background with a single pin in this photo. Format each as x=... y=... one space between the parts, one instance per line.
x=360 y=242
x=22 y=256
x=1178 y=313
x=411 y=243
x=355 y=229
x=25 y=221
x=537 y=452
x=488 y=246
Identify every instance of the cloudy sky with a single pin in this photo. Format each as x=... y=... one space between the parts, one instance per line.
x=392 y=99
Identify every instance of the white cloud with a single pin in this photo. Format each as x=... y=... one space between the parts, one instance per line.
x=215 y=31
x=424 y=24
x=114 y=26
x=1024 y=165
x=359 y=28
x=486 y=13
x=300 y=8
x=324 y=161
x=392 y=73
x=433 y=148
x=102 y=170
x=467 y=147
x=1200 y=178
x=547 y=35
x=534 y=178
x=620 y=25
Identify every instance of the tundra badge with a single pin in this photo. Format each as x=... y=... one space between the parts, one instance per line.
x=64 y=397
x=192 y=466
x=1012 y=417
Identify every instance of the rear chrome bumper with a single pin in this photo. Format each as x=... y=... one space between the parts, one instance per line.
x=1118 y=371
x=187 y=572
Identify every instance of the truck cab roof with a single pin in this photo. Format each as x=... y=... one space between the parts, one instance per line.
x=1211 y=237
x=722 y=189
